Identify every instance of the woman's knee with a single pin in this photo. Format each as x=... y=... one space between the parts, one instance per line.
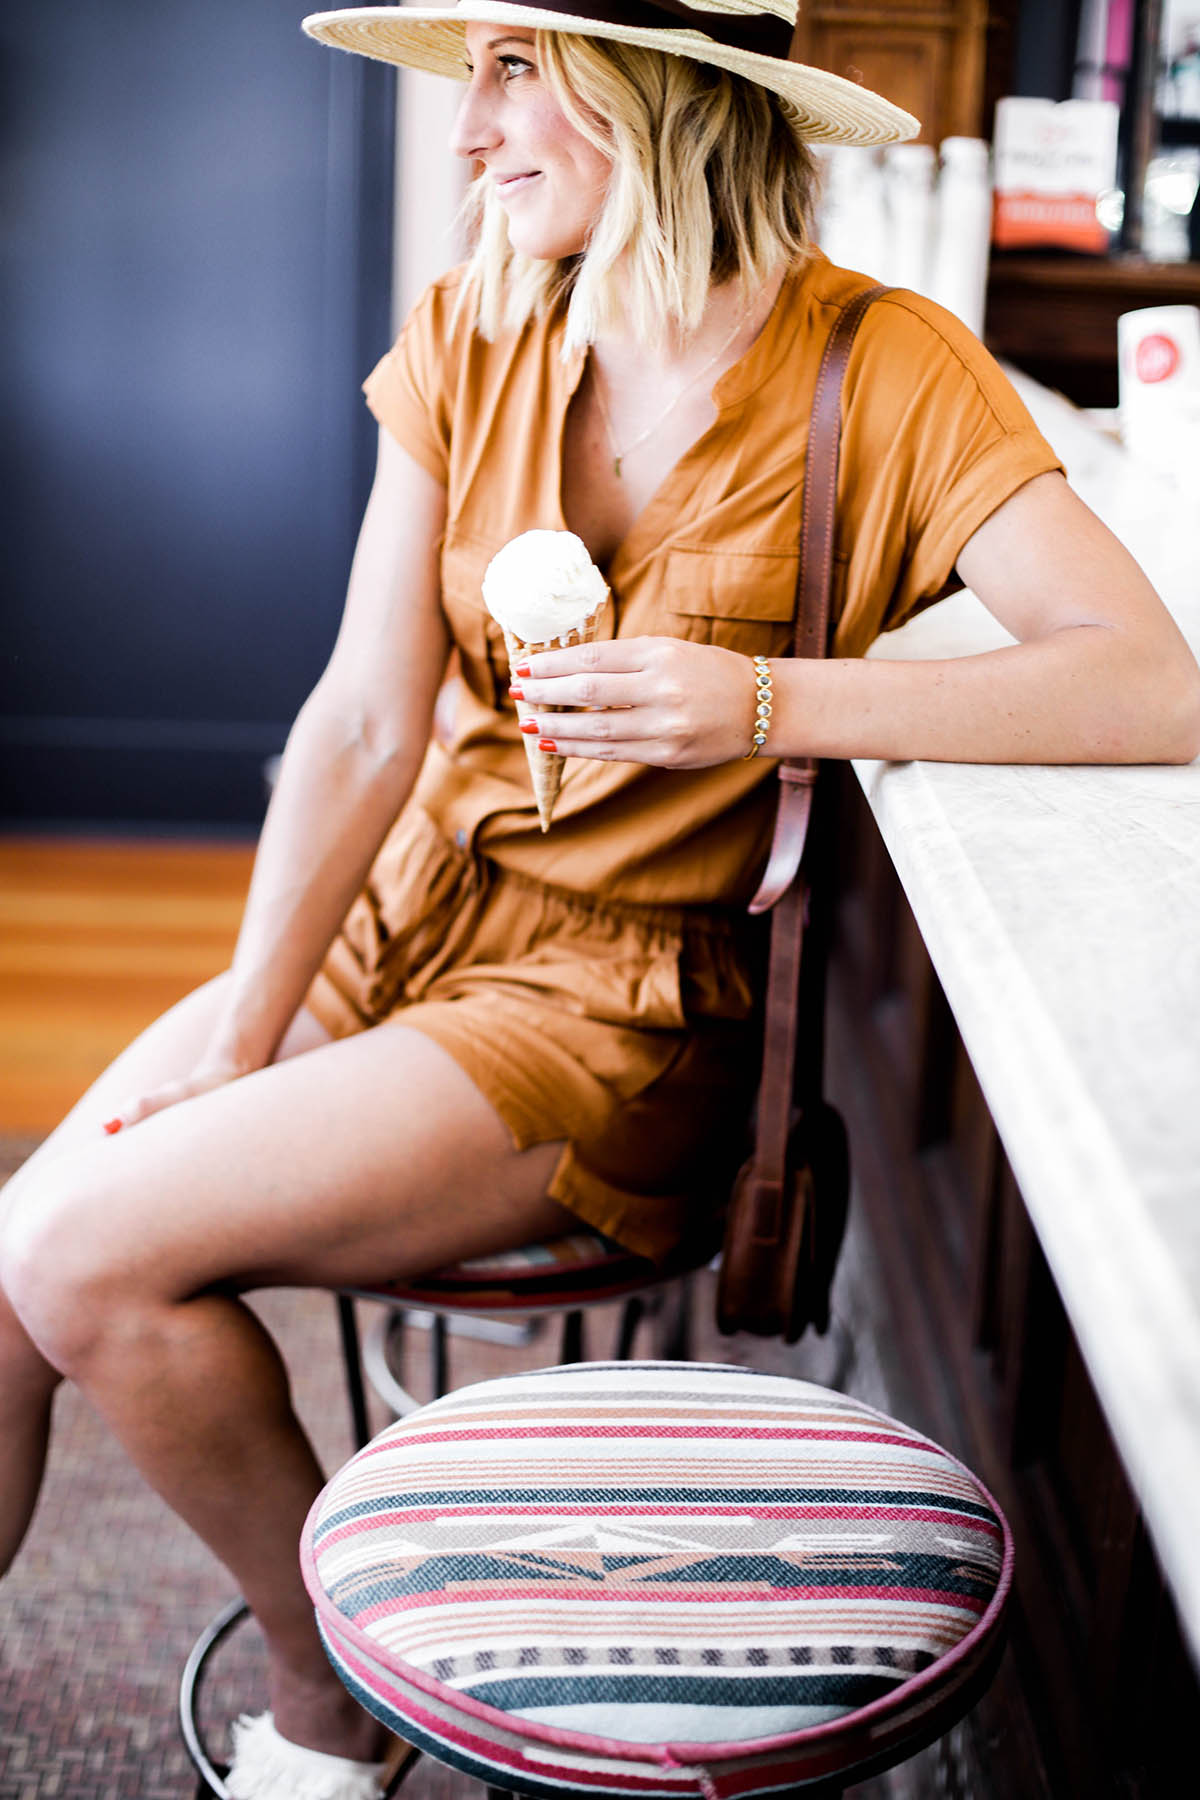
x=64 y=1278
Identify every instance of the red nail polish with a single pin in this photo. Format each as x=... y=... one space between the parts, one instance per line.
x=529 y=726
x=516 y=693
x=523 y=669
x=113 y=1125
x=548 y=744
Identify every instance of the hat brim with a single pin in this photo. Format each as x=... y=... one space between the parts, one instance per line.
x=831 y=110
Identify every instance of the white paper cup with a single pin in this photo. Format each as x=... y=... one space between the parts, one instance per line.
x=1159 y=352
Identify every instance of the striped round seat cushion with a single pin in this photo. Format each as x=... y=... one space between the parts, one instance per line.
x=658 y=1578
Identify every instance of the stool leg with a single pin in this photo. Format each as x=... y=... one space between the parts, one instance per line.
x=677 y=1346
x=402 y=1773
x=572 y=1338
x=437 y=1351
x=352 y=1360
x=631 y=1318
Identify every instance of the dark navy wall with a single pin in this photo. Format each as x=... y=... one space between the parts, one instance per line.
x=196 y=230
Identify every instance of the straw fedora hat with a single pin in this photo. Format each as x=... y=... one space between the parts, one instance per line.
x=749 y=37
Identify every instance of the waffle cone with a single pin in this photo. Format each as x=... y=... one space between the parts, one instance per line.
x=546 y=766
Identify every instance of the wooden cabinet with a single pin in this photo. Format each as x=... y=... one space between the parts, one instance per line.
x=930 y=56
x=1056 y=316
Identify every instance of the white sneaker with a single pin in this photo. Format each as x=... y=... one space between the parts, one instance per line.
x=266 y=1766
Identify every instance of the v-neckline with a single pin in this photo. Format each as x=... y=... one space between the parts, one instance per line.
x=625 y=551
x=732 y=386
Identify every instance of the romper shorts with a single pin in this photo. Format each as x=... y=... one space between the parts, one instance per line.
x=627 y=1031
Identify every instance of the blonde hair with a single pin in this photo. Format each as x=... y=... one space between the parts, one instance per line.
x=711 y=182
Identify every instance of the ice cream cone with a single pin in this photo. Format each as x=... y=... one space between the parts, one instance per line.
x=546 y=766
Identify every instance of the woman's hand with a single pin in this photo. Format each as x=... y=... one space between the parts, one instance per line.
x=211 y=1072
x=655 y=700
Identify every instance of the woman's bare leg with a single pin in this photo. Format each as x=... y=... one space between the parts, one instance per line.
x=372 y=1156
x=167 y=1049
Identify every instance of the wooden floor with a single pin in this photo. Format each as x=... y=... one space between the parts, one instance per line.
x=97 y=939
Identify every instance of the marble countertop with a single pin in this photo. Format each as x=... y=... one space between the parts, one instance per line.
x=1061 y=908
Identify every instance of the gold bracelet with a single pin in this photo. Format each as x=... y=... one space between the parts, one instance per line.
x=762 y=706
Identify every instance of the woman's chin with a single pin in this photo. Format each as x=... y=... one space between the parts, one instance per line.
x=541 y=246
x=541 y=252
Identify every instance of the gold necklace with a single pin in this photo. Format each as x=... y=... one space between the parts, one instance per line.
x=619 y=455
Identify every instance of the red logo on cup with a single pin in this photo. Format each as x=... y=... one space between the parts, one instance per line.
x=1157 y=357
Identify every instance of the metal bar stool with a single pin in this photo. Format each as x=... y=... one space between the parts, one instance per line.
x=682 y=1581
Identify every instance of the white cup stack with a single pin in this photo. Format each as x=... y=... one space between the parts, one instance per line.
x=912 y=220
x=852 y=225
x=1159 y=360
x=959 y=271
x=909 y=175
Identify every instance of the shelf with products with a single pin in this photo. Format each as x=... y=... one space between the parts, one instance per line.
x=1056 y=316
x=1051 y=313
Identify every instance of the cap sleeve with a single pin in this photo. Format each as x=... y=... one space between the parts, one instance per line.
x=408 y=390
x=934 y=440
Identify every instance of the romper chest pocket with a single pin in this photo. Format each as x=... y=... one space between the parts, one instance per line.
x=743 y=600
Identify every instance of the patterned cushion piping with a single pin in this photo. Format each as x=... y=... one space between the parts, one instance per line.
x=661 y=1579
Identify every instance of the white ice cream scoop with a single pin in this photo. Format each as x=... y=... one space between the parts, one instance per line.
x=543 y=585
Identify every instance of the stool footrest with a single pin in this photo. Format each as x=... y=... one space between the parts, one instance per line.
x=230 y=1616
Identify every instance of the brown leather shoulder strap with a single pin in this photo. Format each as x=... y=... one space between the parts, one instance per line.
x=782 y=881
x=814 y=586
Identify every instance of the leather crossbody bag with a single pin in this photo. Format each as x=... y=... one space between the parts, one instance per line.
x=787 y=1214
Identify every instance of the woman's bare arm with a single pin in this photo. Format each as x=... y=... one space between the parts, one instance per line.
x=1101 y=674
x=350 y=762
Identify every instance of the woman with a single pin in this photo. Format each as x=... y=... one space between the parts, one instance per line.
x=631 y=353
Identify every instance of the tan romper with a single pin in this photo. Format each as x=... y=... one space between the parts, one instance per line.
x=597 y=982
